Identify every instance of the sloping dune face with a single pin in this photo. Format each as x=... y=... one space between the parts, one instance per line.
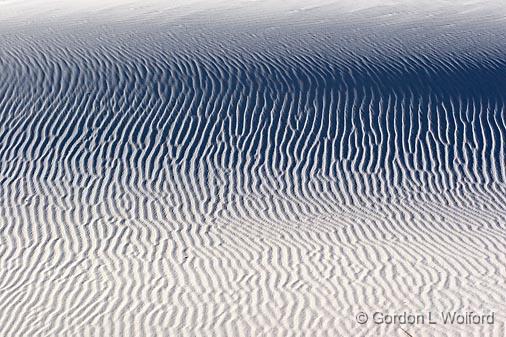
x=252 y=169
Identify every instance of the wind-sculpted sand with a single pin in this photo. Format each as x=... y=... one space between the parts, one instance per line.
x=245 y=170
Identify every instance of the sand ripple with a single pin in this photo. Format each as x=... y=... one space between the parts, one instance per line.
x=252 y=178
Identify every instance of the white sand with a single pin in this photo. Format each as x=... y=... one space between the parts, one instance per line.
x=251 y=168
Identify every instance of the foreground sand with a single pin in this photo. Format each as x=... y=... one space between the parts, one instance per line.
x=255 y=169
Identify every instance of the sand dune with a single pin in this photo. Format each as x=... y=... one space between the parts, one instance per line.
x=271 y=173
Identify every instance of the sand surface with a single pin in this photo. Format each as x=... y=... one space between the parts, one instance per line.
x=252 y=168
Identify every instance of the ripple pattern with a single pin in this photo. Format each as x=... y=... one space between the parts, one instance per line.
x=246 y=179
